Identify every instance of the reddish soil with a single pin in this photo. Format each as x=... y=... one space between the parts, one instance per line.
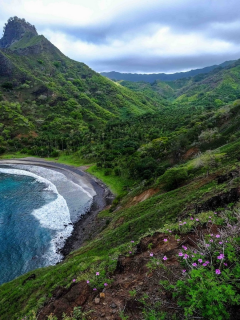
x=31 y=134
x=190 y=153
x=143 y=196
x=130 y=281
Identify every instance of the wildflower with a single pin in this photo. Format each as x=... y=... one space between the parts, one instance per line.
x=220 y=242
x=88 y=281
x=178 y=239
x=218 y=271
x=94 y=289
x=204 y=264
x=193 y=255
x=132 y=241
x=151 y=254
x=130 y=252
x=184 y=271
x=211 y=240
x=191 y=218
x=105 y=284
x=97 y=273
x=184 y=222
x=217 y=235
x=186 y=256
x=200 y=260
x=165 y=240
x=164 y=258
x=197 y=219
x=215 y=212
x=207 y=262
x=74 y=280
x=170 y=231
x=209 y=217
x=221 y=256
x=211 y=234
x=185 y=248
x=194 y=264
x=207 y=245
x=180 y=224
x=225 y=264
x=180 y=254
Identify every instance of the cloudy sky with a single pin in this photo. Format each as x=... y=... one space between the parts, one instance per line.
x=142 y=36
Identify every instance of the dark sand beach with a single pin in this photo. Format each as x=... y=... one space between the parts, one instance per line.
x=87 y=226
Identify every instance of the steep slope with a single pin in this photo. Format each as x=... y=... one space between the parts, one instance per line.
x=36 y=74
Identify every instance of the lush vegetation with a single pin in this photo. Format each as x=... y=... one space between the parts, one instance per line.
x=180 y=139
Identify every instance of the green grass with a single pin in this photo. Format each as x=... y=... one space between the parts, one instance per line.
x=116 y=184
x=14 y=155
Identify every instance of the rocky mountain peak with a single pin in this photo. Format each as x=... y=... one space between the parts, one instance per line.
x=14 y=30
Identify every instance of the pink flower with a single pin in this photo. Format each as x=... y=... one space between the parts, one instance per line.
x=88 y=281
x=220 y=242
x=105 y=284
x=94 y=289
x=184 y=222
x=207 y=245
x=151 y=254
x=209 y=217
x=191 y=218
x=97 y=273
x=215 y=212
x=180 y=224
x=165 y=240
x=211 y=234
x=164 y=258
x=221 y=256
x=225 y=264
x=186 y=256
x=197 y=219
x=204 y=264
x=218 y=271
x=185 y=248
x=218 y=236
x=180 y=254
x=184 y=271
x=130 y=252
x=200 y=260
x=194 y=264
x=207 y=262
x=178 y=239
x=193 y=255
x=170 y=231
x=211 y=240
x=74 y=280
x=132 y=241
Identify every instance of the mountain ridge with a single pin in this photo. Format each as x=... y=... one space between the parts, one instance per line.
x=134 y=77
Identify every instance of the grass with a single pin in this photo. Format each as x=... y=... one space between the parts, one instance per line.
x=116 y=184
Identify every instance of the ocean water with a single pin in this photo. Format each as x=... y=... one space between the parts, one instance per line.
x=35 y=219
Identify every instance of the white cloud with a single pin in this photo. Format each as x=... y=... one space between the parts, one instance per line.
x=97 y=31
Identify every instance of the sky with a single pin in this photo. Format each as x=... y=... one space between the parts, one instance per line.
x=136 y=36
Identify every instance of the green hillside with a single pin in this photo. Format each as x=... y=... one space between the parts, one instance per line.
x=170 y=151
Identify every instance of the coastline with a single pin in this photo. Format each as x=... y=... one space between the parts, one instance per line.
x=87 y=226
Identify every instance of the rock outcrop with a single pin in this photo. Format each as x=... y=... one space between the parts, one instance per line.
x=14 y=30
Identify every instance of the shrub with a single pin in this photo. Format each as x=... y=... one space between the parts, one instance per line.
x=173 y=177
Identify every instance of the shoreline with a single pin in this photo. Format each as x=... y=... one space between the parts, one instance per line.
x=86 y=226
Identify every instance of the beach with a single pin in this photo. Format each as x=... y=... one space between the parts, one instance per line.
x=86 y=225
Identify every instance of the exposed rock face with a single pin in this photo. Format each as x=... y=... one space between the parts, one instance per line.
x=14 y=31
x=6 y=66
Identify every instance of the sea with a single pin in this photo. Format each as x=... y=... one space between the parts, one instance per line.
x=38 y=207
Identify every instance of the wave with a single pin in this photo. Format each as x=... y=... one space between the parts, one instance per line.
x=55 y=216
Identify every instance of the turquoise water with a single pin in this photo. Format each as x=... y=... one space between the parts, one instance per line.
x=24 y=242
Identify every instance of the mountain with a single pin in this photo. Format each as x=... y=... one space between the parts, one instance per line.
x=55 y=92
x=135 y=77
x=168 y=245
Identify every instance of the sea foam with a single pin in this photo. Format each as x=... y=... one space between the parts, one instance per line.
x=55 y=215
